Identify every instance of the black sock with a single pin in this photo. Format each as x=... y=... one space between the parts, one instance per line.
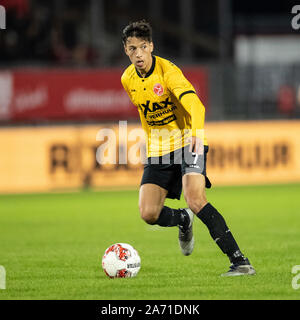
x=220 y=233
x=171 y=217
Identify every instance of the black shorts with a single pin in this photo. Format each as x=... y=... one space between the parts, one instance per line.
x=167 y=171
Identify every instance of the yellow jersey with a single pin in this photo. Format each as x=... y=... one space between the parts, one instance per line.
x=169 y=108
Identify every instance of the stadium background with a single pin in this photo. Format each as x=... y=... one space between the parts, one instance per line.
x=61 y=63
x=60 y=68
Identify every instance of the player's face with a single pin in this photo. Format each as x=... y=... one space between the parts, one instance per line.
x=139 y=52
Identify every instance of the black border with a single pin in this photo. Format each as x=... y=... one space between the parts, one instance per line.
x=148 y=309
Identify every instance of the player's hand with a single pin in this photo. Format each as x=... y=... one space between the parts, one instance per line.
x=196 y=145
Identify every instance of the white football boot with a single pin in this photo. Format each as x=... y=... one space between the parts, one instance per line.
x=240 y=269
x=186 y=237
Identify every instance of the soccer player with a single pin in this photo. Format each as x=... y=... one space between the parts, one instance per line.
x=168 y=103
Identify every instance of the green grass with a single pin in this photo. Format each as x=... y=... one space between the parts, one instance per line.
x=51 y=246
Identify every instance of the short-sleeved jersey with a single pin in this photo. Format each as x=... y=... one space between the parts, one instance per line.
x=157 y=96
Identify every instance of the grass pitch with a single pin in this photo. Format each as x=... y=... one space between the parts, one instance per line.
x=51 y=246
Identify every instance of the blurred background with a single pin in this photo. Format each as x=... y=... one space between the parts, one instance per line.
x=60 y=68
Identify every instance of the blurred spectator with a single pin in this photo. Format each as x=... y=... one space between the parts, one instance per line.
x=21 y=7
x=298 y=101
x=26 y=37
x=36 y=33
x=70 y=40
x=36 y=42
x=286 y=100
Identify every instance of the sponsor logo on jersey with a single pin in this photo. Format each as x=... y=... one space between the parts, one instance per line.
x=163 y=121
x=156 y=110
x=148 y=107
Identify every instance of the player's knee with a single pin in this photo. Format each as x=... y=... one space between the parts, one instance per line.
x=150 y=213
x=196 y=203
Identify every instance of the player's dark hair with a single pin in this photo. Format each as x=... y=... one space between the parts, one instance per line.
x=138 y=29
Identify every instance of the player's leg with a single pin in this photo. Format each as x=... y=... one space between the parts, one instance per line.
x=153 y=211
x=194 y=194
x=159 y=182
x=151 y=202
x=195 y=197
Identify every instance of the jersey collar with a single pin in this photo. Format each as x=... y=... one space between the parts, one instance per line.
x=150 y=71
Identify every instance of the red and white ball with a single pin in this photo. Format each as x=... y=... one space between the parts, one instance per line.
x=121 y=260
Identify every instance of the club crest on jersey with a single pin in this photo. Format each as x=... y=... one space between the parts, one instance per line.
x=158 y=89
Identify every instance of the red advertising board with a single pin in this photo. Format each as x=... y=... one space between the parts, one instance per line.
x=53 y=95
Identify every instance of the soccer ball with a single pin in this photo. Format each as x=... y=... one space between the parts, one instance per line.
x=121 y=260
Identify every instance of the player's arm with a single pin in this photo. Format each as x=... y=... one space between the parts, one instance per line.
x=197 y=115
x=186 y=94
x=190 y=101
